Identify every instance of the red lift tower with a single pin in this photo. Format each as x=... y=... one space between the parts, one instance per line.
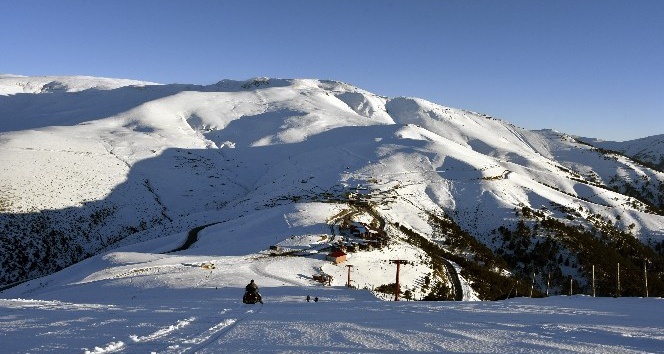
x=398 y=262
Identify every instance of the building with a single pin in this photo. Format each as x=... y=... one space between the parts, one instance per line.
x=337 y=256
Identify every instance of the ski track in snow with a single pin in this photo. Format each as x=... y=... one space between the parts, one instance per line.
x=189 y=335
x=111 y=347
x=260 y=268
x=163 y=331
x=216 y=332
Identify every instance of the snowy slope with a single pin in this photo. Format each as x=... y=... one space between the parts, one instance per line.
x=649 y=149
x=94 y=164
x=17 y=84
x=133 y=301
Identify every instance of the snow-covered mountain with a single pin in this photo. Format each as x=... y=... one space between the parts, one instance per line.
x=286 y=167
x=648 y=150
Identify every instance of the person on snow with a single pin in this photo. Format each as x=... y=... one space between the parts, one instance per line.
x=253 y=288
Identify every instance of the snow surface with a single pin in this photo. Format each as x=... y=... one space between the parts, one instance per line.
x=139 y=302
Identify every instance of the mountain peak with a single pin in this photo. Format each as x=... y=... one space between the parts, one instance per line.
x=15 y=84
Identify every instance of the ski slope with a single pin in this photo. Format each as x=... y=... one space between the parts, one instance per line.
x=141 y=302
x=142 y=298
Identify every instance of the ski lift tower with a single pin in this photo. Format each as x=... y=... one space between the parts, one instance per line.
x=349 y=267
x=398 y=262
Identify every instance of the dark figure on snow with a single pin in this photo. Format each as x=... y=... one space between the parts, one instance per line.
x=251 y=287
x=316 y=299
x=251 y=295
x=308 y=298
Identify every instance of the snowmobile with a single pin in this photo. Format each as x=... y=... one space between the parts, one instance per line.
x=251 y=297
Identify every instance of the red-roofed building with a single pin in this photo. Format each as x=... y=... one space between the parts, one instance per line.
x=337 y=256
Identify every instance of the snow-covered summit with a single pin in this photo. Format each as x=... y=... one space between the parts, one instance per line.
x=93 y=164
x=14 y=84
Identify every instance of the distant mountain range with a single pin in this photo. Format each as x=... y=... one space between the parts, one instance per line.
x=649 y=150
x=94 y=164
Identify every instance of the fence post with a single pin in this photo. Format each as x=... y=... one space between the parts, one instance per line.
x=593 y=280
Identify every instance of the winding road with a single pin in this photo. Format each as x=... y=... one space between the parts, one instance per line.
x=192 y=237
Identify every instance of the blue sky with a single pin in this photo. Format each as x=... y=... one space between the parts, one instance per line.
x=590 y=68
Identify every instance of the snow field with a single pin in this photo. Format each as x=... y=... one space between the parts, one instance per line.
x=213 y=320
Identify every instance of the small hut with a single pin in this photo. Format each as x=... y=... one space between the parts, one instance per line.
x=337 y=256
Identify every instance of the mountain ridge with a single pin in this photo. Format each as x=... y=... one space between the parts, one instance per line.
x=104 y=163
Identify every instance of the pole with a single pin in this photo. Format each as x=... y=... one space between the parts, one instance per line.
x=645 y=275
x=618 y=282
x=396 y=286
x=571 y=280
x=398 y=262
x=516 y=290
x=349 y=267
x=532 y=286
x=548 y=280
x=593 y=280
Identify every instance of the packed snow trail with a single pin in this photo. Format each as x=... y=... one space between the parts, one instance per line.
x=188 y=335
x=128 y=319
x=222 y=328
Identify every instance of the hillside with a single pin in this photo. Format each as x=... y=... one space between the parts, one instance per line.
x=648 y=150
x=474 y=203
x=134 y=302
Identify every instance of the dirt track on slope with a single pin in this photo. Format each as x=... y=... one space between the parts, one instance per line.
x=192 y=237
